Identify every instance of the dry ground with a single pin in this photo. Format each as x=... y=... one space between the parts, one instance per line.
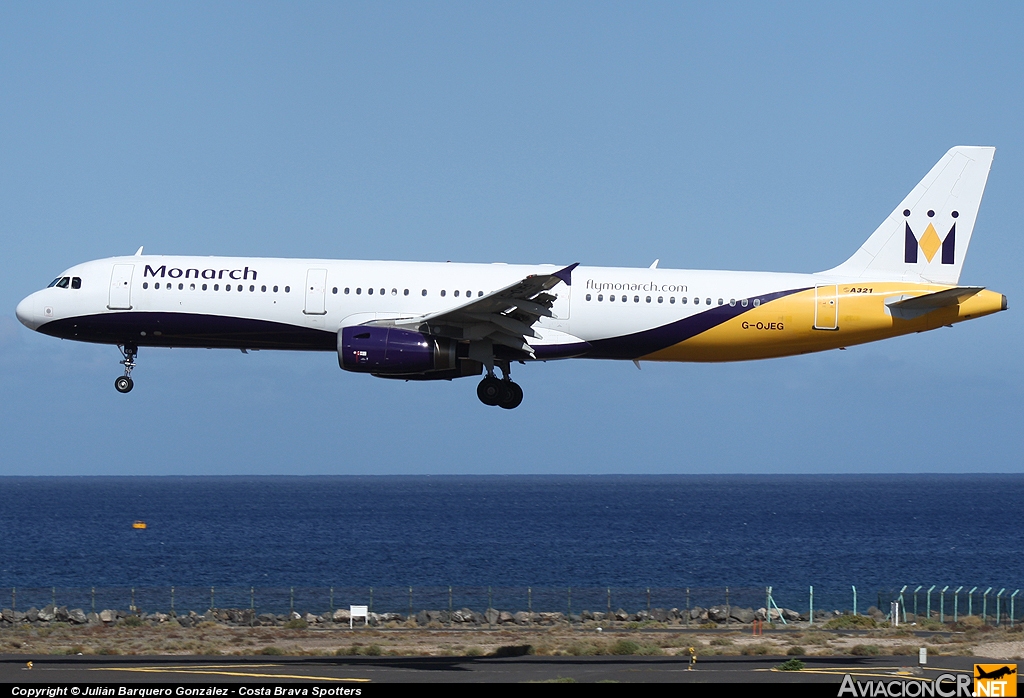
x=212 y=639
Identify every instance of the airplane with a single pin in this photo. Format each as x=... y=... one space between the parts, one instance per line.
x=440 y=321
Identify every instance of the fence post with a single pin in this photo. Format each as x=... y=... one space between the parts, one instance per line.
x=450 y=621
x=942 y=604
x=928 y=605
x=687 y=605
x=956 y=603
x=410 y=602
x=999 y=612
x=371 y=599
x=132 y=607
x=811 y=614
x=213 y=604
x=1011 y=606
x=291 y=600
x=984 y=606
x=728 y=608
x=854 y=599
x=970 y=601
x=252 y=606
x=570 y=606
x=529 y=603
x=610 y=604
x=919 y=588
x=94 y=599
x=14 y=598
x=332 y=600
x=172 y=602
x=648 y=600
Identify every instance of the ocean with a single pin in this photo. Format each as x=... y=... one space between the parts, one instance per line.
x=567 y=542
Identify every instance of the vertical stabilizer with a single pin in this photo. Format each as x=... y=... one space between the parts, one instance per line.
x=925 y=238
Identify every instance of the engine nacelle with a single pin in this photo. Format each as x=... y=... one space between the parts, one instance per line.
x=389 y=351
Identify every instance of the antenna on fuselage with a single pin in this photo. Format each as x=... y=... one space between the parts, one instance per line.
x=655 y=265
x=138 y=252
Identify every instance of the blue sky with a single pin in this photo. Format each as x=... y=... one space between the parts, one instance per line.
x=736 y=136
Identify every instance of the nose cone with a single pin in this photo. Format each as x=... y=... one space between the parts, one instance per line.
x=26 y=312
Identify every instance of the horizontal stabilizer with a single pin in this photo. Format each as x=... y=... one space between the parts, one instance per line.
x=909 y=307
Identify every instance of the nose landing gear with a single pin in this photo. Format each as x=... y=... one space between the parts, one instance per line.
x=500 y=392
x=124 y=384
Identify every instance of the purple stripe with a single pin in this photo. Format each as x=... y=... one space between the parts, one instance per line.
x=633 y=346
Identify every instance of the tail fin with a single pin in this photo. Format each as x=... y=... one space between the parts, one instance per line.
x=925 y=239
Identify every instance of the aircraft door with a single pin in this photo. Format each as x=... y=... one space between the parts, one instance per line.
x=120 y=297
x=316 y=292
x=826 y=308
x=560 y=308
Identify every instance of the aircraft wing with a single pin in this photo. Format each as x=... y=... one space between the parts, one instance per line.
x=505 y=316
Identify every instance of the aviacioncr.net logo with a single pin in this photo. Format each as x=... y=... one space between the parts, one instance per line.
x=944 y=686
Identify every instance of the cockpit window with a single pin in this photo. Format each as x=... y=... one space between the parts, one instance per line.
x=76 y=282
x=53 y=283
x=63 y=282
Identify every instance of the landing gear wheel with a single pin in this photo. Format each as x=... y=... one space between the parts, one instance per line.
x=511 y=395
x=489 y=391
x=124 y=384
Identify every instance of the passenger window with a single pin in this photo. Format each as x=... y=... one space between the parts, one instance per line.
x=275 y=289
x=181 y=287
x=721 y=302
x=672 y=299
x=456 y=294
x=287 y=289
x=648 y=299
x=191 y=287
x=204 y=287
x=359 y=291
x=624 y=299
x=479 y=294
x=156 y=285
x=239 y=287
x=442 y=293
x=406 y=292
x=424 y=292
x=469 y=294
x=732 y=301
x=227 y=287
x=335 y=290
x=611 y=298
x=145 y=284
x=263 y=289
x=394 y=292
x=588 y=296
x=744 y=302
x=216 y=287
x=708 y=301
x=660 y=299
x=346 y=290
x=757 y=302
x=76 y=282
x=369 y=291
x=251 y=288
x=600 y=297
x=382 y=292
x=636 y=299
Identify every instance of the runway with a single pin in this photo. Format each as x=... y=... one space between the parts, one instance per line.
x=364 y=670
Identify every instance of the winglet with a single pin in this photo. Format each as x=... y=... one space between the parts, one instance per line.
x=566 y=274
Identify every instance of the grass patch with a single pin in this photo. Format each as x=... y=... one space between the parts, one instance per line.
x=272 y=650
x=513 y=651
x=791 y=665
x=865 y=650
x=796 y=651
x=296 y=624
x=851 y=623
x=624 y=647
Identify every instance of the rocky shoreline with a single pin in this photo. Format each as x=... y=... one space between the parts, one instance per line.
x=694 y=617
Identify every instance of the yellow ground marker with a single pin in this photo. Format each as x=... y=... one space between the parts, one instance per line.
x=218 y=671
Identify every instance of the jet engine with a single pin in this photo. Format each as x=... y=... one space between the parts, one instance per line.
x=389 y=352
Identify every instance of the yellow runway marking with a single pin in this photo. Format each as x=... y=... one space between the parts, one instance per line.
x=215 y=672
x=842 y=671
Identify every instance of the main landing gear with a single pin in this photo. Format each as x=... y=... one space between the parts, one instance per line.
x=124 y=384
x=501 y=392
